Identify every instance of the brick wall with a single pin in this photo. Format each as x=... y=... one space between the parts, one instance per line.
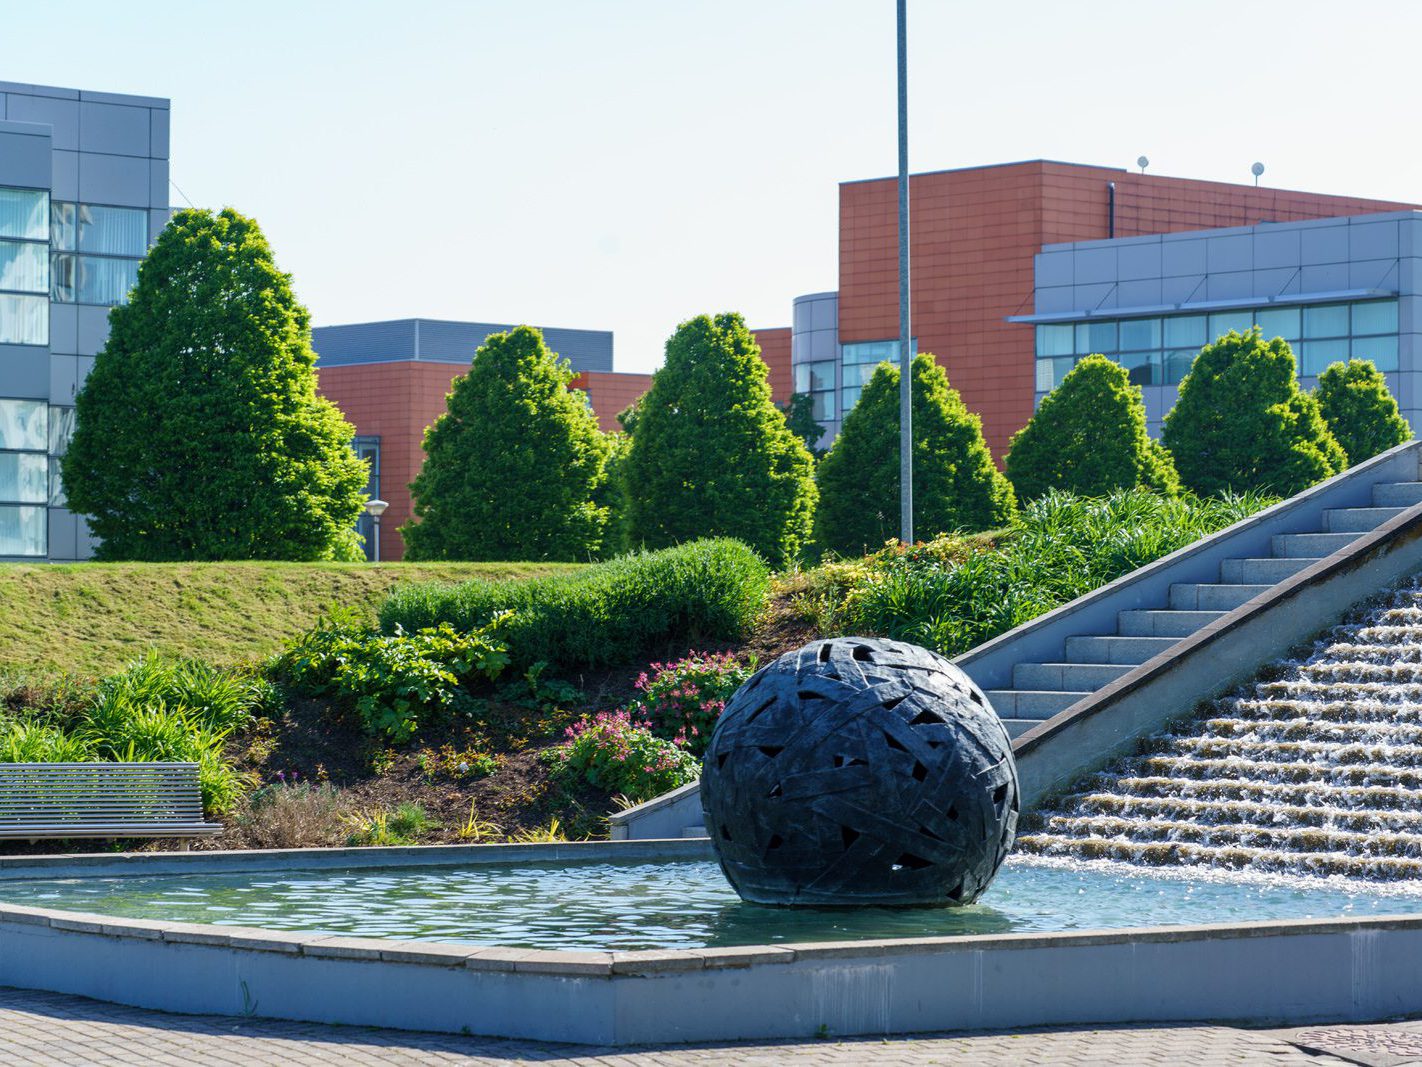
x=974 y=233
x=775 y=350
x=610 y=393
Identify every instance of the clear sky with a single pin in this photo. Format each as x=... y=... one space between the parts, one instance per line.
x=625 y=164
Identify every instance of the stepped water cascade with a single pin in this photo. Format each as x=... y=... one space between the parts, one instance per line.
x=1316 y=770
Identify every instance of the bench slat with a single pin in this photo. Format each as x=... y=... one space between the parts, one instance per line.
x=101 y=800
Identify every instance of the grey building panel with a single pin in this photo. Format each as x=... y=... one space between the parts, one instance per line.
x=1178 y=258
x=24 y=372
x=824 y=315
x=1277 y=248
x=1372 y=240
x=24 y=155
x=1144 y=293
x=157 y=181
x=39 y=90
x=1100 y=295
x=1229 y=254
x=1373 y=274
x=156 y=221
x=1409 y=310
x=64 y=184
x=1324 y=244
x=118 y=180
x=1054 y=269
x=93 y=329
x=63 y=534
x=1182 y=289
x=114 y=129
x=62 y=117
x=1095 y=265
x=1409 y=237
x=86 y=365
x=1324 y=277
x=64 y=328
x=800 y=320
x=63 y=379
x=1055 y=298
x=158 y=132
x=1136 y=261
x=1230 y=285
x=124 y=99
x=440 y=341
x=1277 y=281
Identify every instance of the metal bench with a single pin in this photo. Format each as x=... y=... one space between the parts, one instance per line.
x=108 y=800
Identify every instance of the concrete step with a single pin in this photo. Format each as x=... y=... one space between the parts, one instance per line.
x=1309 y=545
x=1397 y=494
x=1208 y=597
x=1017 y=727
x=694 y=831
x=1260 y=571
x=1131 y=650
x=1066 y=677
x=1035 y=704
x=1162 y=623
x=1344 y=520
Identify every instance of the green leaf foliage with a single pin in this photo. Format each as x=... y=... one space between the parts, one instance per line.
x=1089 y=437
x=199 y=432
x=1242 y=424
x=513 y=464
x=800 y=417
x=612 y=495
x=637 y=606
x=955 y=484
x=1359 y=410
x=711 y=455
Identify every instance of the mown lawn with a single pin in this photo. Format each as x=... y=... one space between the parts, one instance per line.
x=93 y=618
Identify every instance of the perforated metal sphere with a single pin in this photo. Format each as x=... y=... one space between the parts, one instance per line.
x=860 y=771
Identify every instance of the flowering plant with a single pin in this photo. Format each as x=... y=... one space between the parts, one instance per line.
x=681 y=701
x=612 y=752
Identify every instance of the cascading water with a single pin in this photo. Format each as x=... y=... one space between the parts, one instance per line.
x=1316 y=771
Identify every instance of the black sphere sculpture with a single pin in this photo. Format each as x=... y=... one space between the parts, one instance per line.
x=856 y=771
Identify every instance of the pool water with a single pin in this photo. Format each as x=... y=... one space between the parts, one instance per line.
x=690 y=905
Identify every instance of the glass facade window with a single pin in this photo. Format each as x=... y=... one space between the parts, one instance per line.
x=24 y=320
x=61 y=431
x=24 y=477
x=24 y=267
x=1159 y=351
x=24 y=213
x=860 y=360
x=114 y=240
x=368 y=449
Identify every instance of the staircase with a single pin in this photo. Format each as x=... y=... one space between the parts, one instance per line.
x=1041 y=690
x=1317 y=770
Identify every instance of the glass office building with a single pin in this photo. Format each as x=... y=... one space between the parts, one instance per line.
x=83 y=194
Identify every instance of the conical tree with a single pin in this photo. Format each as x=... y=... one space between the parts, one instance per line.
x=1359 y=410
x=1242 y=423
x=199 y=434
x=1089 y=437
x=955 y=484
x=711 y=455
x=513 y=464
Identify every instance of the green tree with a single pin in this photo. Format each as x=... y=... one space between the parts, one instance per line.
x=199 y=434
x=1242 y=423
x=1362 y=414
x=800 y=417
x=612 y=495
x=513 y=464
x=711 y=455
x=1089 y=438
x=955 y=484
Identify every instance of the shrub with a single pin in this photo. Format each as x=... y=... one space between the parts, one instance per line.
x=199 y=434
x=612 y=495
x=396 y=682
x=711 y=455
x=28 y=742
x=1089 y=437
x=954 y=594
x=955 y=485
x=1359 y=410
x=624 y=609
x=513 y=464
x=614 y=754
x=403 y=826
x=681 y=701
x=294 y=815
x=1241 y=424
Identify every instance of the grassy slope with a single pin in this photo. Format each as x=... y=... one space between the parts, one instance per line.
x=92 y=618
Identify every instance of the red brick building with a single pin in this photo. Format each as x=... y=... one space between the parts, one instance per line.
x=974 y=233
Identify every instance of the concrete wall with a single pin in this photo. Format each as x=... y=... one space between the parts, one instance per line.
x=1355 y=970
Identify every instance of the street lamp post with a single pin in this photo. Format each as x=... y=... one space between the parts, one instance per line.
x=905 y=326
x=375 y=509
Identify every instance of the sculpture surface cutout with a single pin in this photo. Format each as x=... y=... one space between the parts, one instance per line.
x=858 y=771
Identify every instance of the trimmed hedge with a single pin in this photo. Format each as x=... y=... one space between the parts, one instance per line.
x=691 y=595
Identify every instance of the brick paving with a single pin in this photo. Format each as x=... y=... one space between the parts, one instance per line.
x=48 y=1028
